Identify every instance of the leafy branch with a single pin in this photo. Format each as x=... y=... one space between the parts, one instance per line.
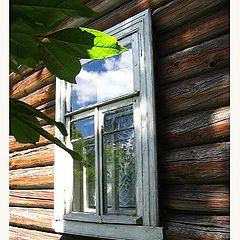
x=34 y=40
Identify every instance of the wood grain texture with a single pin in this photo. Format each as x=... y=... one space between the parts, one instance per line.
x=32 y=83
x=32 y=178
x=16 y=146
x=31 y=198
x=31 y=218
x=25 y=72
x=41 y=96
x=50 y=112
x=17 y=233
x=182 y=227
x=178 y=12
x=205 y=57
x=198 y=198
x=36 y=157
x=197 y=128
x=208 y=90
x=209 y=163
x=194 y=33
x=129 y=9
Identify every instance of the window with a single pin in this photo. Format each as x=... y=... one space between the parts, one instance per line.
x=109 y=115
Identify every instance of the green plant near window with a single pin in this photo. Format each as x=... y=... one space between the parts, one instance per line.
x=34 y=39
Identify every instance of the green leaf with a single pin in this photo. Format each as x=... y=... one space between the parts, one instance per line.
x=87 y=43
x=59 y=61
x=25 y=127
x=13 y=66
x=21 y=108
x=47 y=14
x=41 y=131
x=24 y=49
x=22 y=132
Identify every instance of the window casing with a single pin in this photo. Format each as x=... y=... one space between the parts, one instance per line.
x=115 y=194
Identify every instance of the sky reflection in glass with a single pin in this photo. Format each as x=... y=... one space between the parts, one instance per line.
x=102 y=80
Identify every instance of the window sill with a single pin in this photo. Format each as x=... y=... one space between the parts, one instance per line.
x=108 y=231
x=93 y=218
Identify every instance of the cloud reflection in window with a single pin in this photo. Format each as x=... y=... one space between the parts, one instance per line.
x=101 y=80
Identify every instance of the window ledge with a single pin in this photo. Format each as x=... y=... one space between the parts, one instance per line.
x=109 y=231
x=120 y=219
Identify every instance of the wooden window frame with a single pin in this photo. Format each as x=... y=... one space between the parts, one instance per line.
x=145 y=224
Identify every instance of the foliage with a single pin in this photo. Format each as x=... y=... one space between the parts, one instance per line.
x=34 y=39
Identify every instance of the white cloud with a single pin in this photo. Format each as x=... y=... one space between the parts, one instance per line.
x=114 y=79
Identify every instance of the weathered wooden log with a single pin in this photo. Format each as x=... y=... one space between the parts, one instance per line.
x=32 y=178
x=183 y=227
x=129 y=9
x=16 y=233
x=178 y=12
x=197 y=128
x=198 y=198
x=50 y=112
x=193 y=33
x=208 y=163
x=46 y=105
x=36 y=157
x=205 y=57
x=32 y=83
x=31 y=198
x=102 y=7
x=40 y=96
x=209 y=90
x=16 y=146
x=25 y=72
x=31 y=218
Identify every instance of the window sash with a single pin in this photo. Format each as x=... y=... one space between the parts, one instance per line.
x=98 y=113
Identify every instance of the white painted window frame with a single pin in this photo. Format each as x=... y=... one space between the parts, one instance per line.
x=106 y=226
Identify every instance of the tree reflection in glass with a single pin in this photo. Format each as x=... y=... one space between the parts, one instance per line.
x=119 y=162
x=82 y=138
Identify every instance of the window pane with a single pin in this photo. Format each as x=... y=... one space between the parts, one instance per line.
x=119 y=162
x=82 y=128
x=84 y=173
x=101 y=80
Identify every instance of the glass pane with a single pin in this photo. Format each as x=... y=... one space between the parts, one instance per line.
x=119 y=162
x=105 y=79
x=84 y=173
x=82 y=128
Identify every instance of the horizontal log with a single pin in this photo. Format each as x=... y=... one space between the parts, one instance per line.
x=32 y=178
x=197 y=128
x=183 y=227
x=196 y=32
x=25 y=72
x=205 y=57
x=129 y=9
x=31 y=198
x=209 y=90
x=16 y=233
x=40 y=96
x=208 y=163
x=198 y=198
x=16 y=146
x=178 y=12
x=31 y=218
x=102 y=7
x=50 y=112
x=46 y=105
x=32 y=83
x=36 y=157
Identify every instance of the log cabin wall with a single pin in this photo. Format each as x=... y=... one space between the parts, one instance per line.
x=191 y=47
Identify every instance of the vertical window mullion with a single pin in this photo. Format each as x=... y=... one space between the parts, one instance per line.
x=97 y=162
x=100 y=184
